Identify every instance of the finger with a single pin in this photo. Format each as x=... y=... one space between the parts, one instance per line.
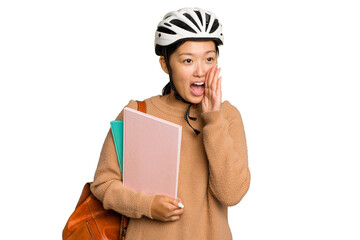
x=172 y=219
x=206 y=93
x=179 y=200
x=215 y=81
x=174 y=215
x=169 y=208
x=210 y=77
x=219 y=87
x=180 y=204
x=178 y=212
x=175 y=204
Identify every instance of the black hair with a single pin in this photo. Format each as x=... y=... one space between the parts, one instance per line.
x=166 y=52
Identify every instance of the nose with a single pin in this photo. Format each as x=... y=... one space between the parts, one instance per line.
x=200 y=70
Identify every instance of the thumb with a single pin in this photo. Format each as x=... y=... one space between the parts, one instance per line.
x=179 y=203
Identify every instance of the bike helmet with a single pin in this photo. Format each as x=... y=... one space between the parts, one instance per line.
x=188 y=23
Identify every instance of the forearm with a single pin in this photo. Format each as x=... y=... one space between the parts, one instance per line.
x=225 y=146
x=108 y=187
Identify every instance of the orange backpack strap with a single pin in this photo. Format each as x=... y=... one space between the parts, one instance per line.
x=141 y=106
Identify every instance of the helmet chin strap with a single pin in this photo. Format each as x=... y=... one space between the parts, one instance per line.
x=187 y=113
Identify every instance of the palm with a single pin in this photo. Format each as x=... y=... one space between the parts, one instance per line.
x=212 y=96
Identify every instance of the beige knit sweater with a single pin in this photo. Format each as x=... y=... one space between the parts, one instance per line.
x=213 y=174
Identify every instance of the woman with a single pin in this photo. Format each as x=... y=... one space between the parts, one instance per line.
x=213 y=170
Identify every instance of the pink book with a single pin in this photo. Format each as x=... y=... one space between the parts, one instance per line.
x=151 y=154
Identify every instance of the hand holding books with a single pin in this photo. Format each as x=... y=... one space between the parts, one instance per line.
x=166 y=209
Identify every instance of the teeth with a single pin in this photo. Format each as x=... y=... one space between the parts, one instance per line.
x=199 y=84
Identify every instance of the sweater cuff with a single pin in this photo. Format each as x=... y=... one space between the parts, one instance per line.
x=145 y=205
x=210 y=117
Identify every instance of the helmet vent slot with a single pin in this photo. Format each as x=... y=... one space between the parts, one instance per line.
x=182 y=25
x=207 y=21
x=215 y=26
x=192 y=20
x=166 y=30
x=199 y=16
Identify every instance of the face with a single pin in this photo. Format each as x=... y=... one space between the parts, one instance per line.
x=189 y=64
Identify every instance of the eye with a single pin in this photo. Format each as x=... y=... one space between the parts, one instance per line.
x=209 y=59
x=188 y=61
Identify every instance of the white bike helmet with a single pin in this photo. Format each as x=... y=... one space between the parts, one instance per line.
x=188 y=23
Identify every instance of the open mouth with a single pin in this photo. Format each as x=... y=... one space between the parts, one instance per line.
x=197 y=88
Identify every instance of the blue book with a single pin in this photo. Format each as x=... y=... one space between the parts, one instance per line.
x=117 y=132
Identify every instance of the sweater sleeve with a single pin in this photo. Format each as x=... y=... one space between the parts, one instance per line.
x=225 y=146
x=108 y=187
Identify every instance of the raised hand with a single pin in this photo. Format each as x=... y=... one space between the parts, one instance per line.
x=212 y=96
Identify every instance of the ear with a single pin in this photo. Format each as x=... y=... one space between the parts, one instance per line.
x=163 y=64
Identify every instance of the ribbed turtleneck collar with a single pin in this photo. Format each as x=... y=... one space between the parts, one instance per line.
x=174 y=106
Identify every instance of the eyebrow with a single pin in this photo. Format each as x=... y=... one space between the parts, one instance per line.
x=191 y=54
